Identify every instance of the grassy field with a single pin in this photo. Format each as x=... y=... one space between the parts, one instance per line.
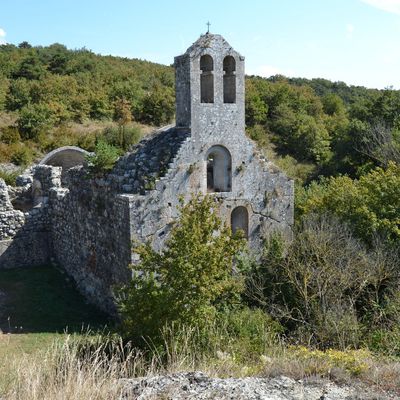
x=38 y=305
x=43 y=299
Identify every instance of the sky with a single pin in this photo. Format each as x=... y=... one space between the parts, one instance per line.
x=354 y=41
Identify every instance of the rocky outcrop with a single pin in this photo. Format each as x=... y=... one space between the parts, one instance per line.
x=196 y=385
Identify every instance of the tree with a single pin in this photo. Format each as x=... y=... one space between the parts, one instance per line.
x=325 y=286
x=256 y=109
x=103 y=159
x=25 y=45
x=33 y=120
x=30 y=68
x=122 y=115
x=158 y=105
x=371 y=204
x=189 y=280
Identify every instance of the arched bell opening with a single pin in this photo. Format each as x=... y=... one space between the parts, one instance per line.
x=229 y=66
x=206 y=79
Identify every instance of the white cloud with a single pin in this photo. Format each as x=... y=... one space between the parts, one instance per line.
x=392 y=6
x=2 y=36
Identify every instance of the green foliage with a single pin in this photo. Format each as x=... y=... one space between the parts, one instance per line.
x=9 y=177
x=82 y=85
x=34 y=119
x=256 y=108
x=21 y=154
x=158 y=106
x=371 y=204
x=18 y=94
x=40 y=299
x=130 y=136
x=30 y=68
x=9 y=135
x=189 y=280
x=326 y=287
x=103 y=159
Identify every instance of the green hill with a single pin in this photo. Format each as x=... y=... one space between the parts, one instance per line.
x=52 y=96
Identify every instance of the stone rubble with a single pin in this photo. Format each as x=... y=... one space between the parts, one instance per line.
x=199 y=386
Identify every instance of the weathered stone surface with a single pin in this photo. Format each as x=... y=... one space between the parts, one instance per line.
x=196 y=385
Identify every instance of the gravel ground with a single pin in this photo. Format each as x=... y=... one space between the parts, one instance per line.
x=196 y=385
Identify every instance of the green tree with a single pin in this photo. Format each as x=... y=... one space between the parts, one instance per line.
x=33 y=120
x=256 y=109
x=159 y=105
x=25 y=45
x=18 y=94
x=371 y=204
x=30 y=68
x=103 y=159
x=122 y=115
x=189 y=280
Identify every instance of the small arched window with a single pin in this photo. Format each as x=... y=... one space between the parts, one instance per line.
x=207 y=79
x=219 y=169
x=240 y=220
x=229 y=79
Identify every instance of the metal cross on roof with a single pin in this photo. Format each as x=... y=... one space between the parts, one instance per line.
x=208 y=27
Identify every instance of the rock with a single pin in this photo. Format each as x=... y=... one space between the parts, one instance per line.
x=197 y=385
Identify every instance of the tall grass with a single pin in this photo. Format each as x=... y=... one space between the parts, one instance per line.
x=86 y=367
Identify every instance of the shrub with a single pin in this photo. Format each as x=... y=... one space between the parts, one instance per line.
x=326 y=288
x=21 y=154
x=131 y=135
x=371 y=205
x=10 y=135
x=103 y=159
x=158 y=106
x=9 y=177
x=34 y=119
x=353 y=361
x=189 y=280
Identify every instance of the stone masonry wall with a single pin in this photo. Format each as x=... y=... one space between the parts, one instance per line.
x=91 y=235
x=24 y=235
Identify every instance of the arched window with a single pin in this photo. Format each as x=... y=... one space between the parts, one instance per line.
x=219 y=169
x=207 y=79
x=240 y=220
x=229 y=80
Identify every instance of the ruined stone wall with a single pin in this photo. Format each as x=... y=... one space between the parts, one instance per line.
x=258 y=185
x=91 y=235
x=25 y=235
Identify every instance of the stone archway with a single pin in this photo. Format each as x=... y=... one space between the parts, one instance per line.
x=240 y=220
x=65 y=157
x=219 y=169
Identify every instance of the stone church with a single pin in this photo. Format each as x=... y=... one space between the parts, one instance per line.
x=86 y=225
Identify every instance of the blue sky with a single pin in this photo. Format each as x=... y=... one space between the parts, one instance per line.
x=355 y=41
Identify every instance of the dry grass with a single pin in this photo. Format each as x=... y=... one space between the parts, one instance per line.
x=94 y=367
x=7 y=119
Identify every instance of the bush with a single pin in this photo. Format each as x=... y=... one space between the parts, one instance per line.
x=371 y=205
x=188 y=281
x=10 y=135
x=158 y=106
x=103 y=159
x=327 y=288
x=34 y=119
x=131 y=135
x=21 y=154
x=9 y=177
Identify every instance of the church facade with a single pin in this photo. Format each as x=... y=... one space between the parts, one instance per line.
x=87 y=225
